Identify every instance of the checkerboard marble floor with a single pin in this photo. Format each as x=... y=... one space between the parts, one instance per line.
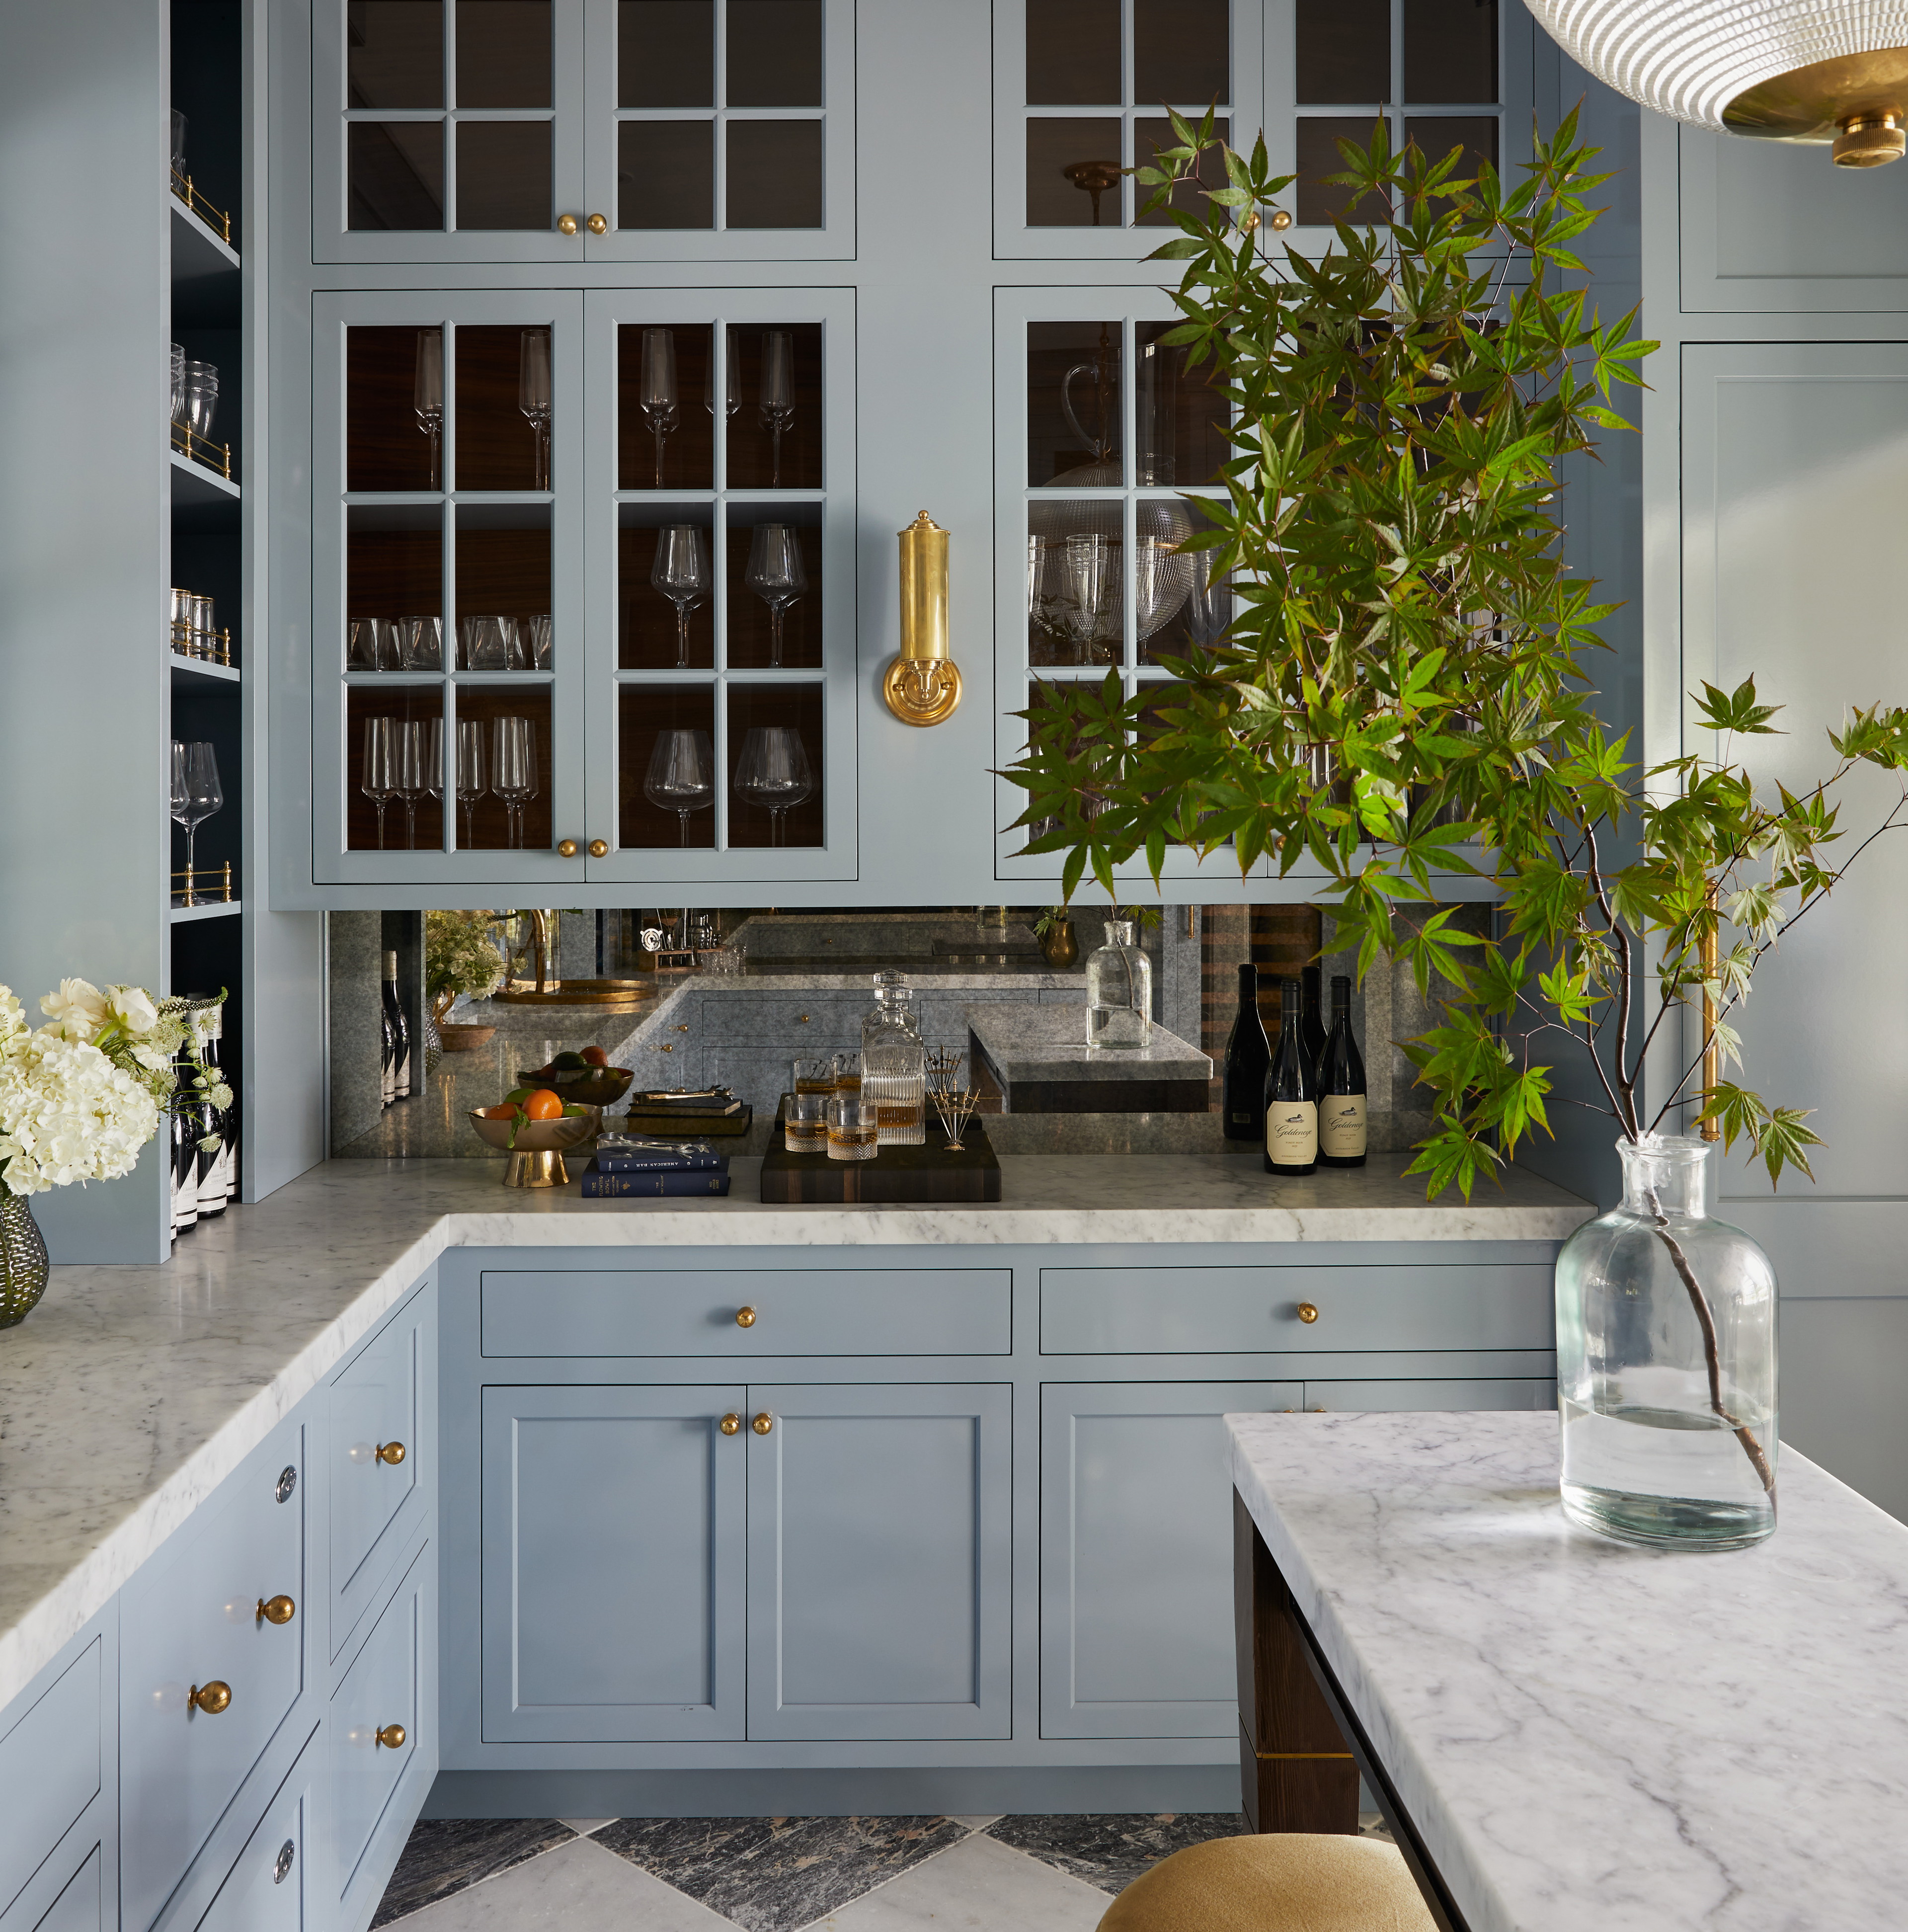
x=1011 y=1874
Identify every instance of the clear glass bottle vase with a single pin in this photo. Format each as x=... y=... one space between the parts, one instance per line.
x=1666 y=1362
x=1119 y=990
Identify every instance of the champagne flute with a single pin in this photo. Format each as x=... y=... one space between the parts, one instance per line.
x=681 y=573
x=408 y=778
x=776 y=575
x=682 y=775
x=1091 y=572
x=514 y=762
x=434 y=762
x=775 y=774
x=733 y=386
x=778 y=395
x=472 y=775
x=533 y=396
x=427 y=395
x=377 y=778
x=657 y=394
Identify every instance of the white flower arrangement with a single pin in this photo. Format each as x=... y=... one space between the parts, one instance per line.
x=80 y=1095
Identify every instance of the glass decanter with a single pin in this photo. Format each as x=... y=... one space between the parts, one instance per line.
x=1666 y=1362
x=894 y=1064
x=1119 y=990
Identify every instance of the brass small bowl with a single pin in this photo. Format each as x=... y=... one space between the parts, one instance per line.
x=587 y=1086
x=537 y=1159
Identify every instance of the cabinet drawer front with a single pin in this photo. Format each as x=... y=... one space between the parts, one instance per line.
x=189 y=1618
x=798 y=1312
x=381 y=1689
x=81 y=1906
x=374 y=1407
x=49 y=1770
x=1227 y=1310
x=270 y=1888
x=793 y=1023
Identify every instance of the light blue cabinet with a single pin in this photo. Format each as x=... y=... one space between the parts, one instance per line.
x=82 y=1904
x=273 y=1887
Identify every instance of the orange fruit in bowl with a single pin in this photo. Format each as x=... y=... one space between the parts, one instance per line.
x=505 y=1111
x=542 y=1104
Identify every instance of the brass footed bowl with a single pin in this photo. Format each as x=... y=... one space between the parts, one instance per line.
x=537 y=1159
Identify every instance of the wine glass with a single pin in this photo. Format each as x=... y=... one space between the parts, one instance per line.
x=533 y=396
x=513 y=761
x=434 y=761
x=378 y=778
x=408 y=777
x=196 y=794
x=732 y=364
x=775 y=773
x=472 y=775
x=1089 y=604
x=778 y=396
x=427 y=395
x=681 y=573
x=682 y=775
x=657 y=394
x=776 y=576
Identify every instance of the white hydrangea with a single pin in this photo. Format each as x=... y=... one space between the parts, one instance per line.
x=68 y=1113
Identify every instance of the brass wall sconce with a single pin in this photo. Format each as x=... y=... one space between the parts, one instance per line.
x=922 y=686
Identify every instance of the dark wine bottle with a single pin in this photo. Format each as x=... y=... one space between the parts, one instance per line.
x=1248 y=1054
x=1314 y=1023
x=184 y=1146
x=1341 y=1087
x=211 y=1027
x=1291 y=1093
x=398 y=1030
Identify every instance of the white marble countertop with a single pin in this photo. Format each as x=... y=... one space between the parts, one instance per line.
x=1024 y=1041
x=1588 y=1735
x=130 y=1393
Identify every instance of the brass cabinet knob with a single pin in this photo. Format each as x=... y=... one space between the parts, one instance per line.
x=566 y=848
x=665 y=1048
x=566 y=224
x=730 y=1425
x=801 y=1019
x=763 y=1424
x=597 y=225
x=1281 y=220
x=1306 y=1312
x=392 y=1453
x=277 y=1609
x=745 y=1318
x=392 y=1737
x=599 y=848
x=210 y=1698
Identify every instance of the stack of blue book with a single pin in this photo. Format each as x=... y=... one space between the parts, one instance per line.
x=626 y=1165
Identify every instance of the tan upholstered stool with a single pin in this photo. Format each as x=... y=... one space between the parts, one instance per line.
x=1279 y=1882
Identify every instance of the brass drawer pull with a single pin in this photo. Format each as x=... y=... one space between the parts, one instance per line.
x=566 y=224
x=566 y=848
x=210 y=1698
x=392 y=1453
x=745 y=1318
x=731 y=1424
x=1306 y=1312
x=276 y=1609
x=665 y=1048
x=599 y=848
x=762 y=1423
x=392 y=1737
x=597 y=225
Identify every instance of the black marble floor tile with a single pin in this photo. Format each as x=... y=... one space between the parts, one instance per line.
x=444 y=1855
x=1110 y=1851
x=774 y=1874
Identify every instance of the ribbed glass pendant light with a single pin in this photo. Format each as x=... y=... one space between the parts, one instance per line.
x=1823 y=70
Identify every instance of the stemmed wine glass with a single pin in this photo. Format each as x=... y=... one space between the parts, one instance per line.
x=1090 y=606
x=775 y=773
x=657 y=395
x=427 y=395
x=778 y=397
x=409 y=775
x=378 y=779
x=434 y=762
x=776 y=575
x=681 y=573
x=472 y=775
x=196 y=794
x=533 y=396
x=682 y=775
x=732 y=364
x=514 y=771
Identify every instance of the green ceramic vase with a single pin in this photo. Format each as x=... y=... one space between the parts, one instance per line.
x=23 y=1258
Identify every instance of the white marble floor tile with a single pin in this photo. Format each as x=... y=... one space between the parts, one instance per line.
x=979 y=1884
x=580 y=1888
x=584 y=1827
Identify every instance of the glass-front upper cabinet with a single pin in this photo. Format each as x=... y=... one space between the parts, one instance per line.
x=575 y=130
x=1082 y=88
x=583 y=601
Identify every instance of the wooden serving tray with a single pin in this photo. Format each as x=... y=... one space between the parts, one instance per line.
x=929 y=1173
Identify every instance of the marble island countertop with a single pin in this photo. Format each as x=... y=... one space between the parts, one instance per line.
x=1589 y=1737
x=130 y=1393
x=1042 y=1043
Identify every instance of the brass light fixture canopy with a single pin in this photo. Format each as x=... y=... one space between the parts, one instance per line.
x=1858 y=102
x=922 y=686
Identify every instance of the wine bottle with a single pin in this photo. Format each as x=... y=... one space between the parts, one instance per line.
x=398 y=1079
x=1341 y=1087
x=184 y=1149
x=211 y=1027
x=1314 y=1024
x=1291 y=1093
x=1248 y=1054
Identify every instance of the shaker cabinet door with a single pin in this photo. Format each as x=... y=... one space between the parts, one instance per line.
x=612 y=1564
x=879 y=1560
